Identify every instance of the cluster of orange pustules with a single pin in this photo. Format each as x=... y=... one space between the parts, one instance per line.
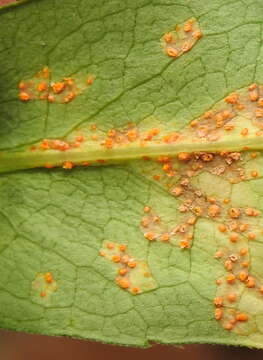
x=48 y=278
x=246 y=102
x=178 y=42
x=125 y=264
x=41 y=88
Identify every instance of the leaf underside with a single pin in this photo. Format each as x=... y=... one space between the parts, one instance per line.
x=62 y=230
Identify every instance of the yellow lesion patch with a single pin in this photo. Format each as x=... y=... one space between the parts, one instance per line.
x=132 y=275
x=177 y=42
x=41 y=87
x=240 y=113
x=43 y=286
x=154 y=228
x=215 y=186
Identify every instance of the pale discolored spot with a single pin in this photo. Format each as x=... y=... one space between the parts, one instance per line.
x=43 y=287
x=179 y=41
x=131 y=274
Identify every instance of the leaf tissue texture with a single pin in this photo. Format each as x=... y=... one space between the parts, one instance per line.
x=131 y=174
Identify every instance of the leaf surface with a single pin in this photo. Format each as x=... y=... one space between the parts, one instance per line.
x=56 y=222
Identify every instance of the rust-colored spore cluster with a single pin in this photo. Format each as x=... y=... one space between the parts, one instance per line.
x=132 y=275
x=127 y=135
x=131 y=133
x=126 y=264
x=182 y=39
x=246 y=102
x=176 y=175
x=44 y=285
x=235 y=226
x=235 y=259
x=42 y=88
x=154 y=229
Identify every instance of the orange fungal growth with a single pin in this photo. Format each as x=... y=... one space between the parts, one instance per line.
x=252 y=236
x=68 y=165
x=188 y=26
x=242 y=317
x=228 y=265
x=69 y=97
x=251 y=212
x=233 y=237
x=48 y=277
x=243 y=251
x=24 y=96
x=124 y=283
x=50 y=98
x=42 y=86
x=218 y=301
x=197 y=34
x=168 y=37
x=231 y=297
x=122 y=247
x=228 y=326
x=218 y=255
x=150 y=236
x=222 y=228
x=146 y=209
x=250 y=282
x=184 y=244
x=90 y=80
x=58 y=87
x=116 y=258
x=234 y=213
x=22 y=85
x=230 y=278
x=213 y=210
x=242 y=276
x=110 y=245
x=177 y=191
x=165 y=237
x=245 y=264
x=135 y=290
x=172 y=52
x=122 y=271
x=184 y=156
x=132 y=264
x=218 y=314
x=218 y=282
x=254 y=173
x=244 y=132
x=232 y=98
x=45 y=73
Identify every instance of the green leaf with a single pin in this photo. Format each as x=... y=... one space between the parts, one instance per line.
x=184 y=194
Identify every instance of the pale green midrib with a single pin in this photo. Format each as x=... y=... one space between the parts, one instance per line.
x=11 y=161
